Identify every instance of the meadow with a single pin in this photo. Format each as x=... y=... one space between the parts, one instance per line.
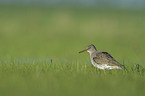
x=39 y=51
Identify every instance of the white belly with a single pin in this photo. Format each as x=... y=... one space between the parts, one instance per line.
x=104 y=66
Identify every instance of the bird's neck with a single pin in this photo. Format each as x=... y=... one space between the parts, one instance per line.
x=92 y=52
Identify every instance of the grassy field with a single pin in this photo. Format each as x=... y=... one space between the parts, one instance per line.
x=39 y=51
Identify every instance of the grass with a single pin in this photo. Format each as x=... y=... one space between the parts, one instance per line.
x=30 y=37
x=72 y=78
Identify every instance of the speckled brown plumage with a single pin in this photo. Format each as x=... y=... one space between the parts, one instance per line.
x=103 y=57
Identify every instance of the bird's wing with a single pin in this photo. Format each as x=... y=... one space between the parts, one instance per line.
x=105 y=58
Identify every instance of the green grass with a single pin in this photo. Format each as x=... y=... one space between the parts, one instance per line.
x=72 y=78
x=31 y=36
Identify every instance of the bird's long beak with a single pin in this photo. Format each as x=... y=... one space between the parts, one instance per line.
x=83 y=50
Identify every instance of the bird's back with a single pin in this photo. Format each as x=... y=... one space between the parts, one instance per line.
x=103 y=60
x=103 y=57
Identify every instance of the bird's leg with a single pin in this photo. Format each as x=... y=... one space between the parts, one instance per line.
x=104 y=71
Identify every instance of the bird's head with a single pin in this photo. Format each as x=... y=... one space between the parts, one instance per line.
x=91 y=48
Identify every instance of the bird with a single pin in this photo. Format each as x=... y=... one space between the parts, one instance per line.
x=102 y=59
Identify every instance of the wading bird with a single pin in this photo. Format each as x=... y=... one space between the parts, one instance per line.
x=101 y=59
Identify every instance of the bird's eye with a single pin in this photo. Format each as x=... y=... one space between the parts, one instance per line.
x=89 y=47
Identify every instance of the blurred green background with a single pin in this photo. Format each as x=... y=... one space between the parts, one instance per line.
x=59 y=32
x=62 y=32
